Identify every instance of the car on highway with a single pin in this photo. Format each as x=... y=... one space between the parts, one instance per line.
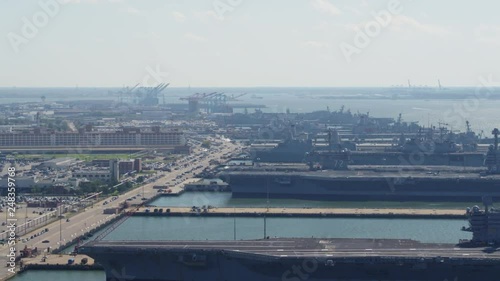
x=45 y=241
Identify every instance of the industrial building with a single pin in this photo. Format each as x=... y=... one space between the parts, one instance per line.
x=125 y=136
x=114 y=170
x=101 y=175
x=124 y=166
x=112 y=173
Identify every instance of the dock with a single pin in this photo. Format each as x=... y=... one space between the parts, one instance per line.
x=303 y=212
x=59 y=262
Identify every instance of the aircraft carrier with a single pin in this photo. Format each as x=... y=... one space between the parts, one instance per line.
x=306 y=258
x=385 y=183
x=328 y=176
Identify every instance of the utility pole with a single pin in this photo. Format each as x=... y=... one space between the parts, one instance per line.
x=265 y=214
x=26 y=219
x=60 y=225
x=234 y=224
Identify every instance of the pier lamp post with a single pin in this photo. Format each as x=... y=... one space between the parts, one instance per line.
x=60 y=224
x=234 y=223
x=26 y=218
x=265 y=214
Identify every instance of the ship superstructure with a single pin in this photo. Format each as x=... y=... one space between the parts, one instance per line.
x=484 y=223
x=492 y=160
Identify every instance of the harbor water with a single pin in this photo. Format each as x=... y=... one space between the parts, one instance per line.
x=222 y=228
x=224 y=199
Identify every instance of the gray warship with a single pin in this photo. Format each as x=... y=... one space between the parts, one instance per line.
x=419 y=150
x=315 y=259
x=329 y=176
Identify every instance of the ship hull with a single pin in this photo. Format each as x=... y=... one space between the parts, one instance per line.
x=358 y=272
x=358 y=188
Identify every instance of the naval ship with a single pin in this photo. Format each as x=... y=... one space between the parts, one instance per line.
x=424 y=150
x=329 y=176
x=388 y=183
x=314 y=259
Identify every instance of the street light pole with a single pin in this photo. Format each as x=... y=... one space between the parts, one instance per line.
x=60 y=226
x=265 y=214
x=26 y=219
x=234 y=224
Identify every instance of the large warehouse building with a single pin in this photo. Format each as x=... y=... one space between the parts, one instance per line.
x=88 y=139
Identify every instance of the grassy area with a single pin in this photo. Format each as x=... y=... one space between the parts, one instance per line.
x=28 y=156
x=89 y=157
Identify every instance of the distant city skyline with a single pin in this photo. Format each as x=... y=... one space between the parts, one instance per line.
x=243 y=43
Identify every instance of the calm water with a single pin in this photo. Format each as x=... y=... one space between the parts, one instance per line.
x=224 y=199
x=221 y=228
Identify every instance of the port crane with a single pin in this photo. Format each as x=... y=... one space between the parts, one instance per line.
x=126 y=92
x=149 y=95
x=213 y=102
x=195 y=100
x=142 y=95
x=217 y=103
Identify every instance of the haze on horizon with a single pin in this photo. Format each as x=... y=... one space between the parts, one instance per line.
x=249 y=43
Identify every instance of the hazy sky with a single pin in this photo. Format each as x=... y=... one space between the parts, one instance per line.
x=248 y=42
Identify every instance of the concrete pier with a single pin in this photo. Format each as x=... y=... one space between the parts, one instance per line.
x=304 y=212
x=59 y=262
